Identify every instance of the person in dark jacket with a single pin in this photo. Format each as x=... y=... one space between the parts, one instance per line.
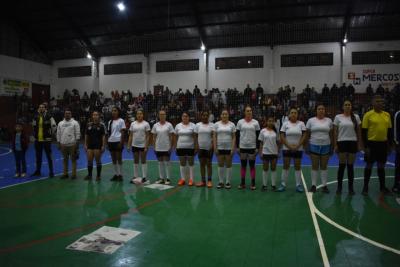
x=19 y=145
x=44 y=128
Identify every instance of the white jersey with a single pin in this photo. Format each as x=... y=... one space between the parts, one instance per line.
x=346 y=129
x=162 y=132
x=248 y=137
x=319 y=131
x=269 y=139
x=139 y=131
x=185 y=135
x=116 y=127
x=293 y=133
x=224 y=133
x=204 y=135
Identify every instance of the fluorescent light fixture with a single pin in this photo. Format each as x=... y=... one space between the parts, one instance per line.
x=249 y=62
x=202 y=47
x=89 y=56
x=121 y=6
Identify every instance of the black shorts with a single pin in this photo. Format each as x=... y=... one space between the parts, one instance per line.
x=378 y=151
x=347 y=147
x=189 y=152
x=160 y=154
x=224 y=152
x=137 y=149
x=247 y=151
x=113 y=146
x=207 y=154
x=292 y=154
x=269 y=157
x=94 y=146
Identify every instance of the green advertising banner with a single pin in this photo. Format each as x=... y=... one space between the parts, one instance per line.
x=12 y=87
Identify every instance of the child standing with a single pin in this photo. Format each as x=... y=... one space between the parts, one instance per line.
x=19 y=146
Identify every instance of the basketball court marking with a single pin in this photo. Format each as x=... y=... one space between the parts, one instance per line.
x=348 y=231
x=5 y=153
x=322 y=249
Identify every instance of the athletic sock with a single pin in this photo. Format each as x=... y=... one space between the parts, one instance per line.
x=120 y=169
x=253 y=182
x=183 y=172
x=314 y=176
x=381 y=175
x=135 y=170
x=342 y=166
x=160 y=169
x=367 y=176
x=253 y=172
x=285 y=174
x=144 y=170
x=297 y=174
x=228 y=175
x=116 y=169
x=191 y=168
x=265 y=177
x=273 y=178
x=167 y=165
x=324 y=177
x=98 y=167
x=221 y=174
x=350 y=176
x=90 y=168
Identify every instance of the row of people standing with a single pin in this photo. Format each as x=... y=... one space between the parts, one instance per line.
x=320 y=136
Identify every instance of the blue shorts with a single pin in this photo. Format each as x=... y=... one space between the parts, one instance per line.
x=320 y=150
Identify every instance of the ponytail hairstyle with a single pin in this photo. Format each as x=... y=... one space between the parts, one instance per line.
x=352 y=116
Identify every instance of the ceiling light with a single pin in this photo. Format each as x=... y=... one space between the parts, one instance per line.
x=121 y=6
x=89 y=56
x=345 y=40
x=391 y=56
x=248 y=62
x=202 y=47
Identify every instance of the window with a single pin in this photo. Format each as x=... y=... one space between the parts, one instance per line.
x=375 y=57
x=122 y=68
x=177 y=65
x=75 y=72
x=239 y=62
x=302 y=60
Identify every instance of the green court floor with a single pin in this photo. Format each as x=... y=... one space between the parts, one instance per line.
x=187 y=226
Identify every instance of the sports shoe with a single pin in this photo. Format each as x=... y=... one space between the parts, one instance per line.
x=181 y=182
x=220 y=185
x=325 y=189
x=87 y=178
x=281 y=188
x=167 y=181
x=241 y=186
x=273 y=188
x=200 y=184
x=17 y=175
x=23 y=175
x=119 y=178
x=114 y=178
x=386 y=191
x=160 y=181
x=264 y=188
x=145 y=181
x=299 y=189
x=228 y=186
x=209 y=184
x=253 y=187
x=313 y=189
x=98 y=178
x=190 y=182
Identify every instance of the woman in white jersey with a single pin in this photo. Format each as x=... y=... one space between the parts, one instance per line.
x=269 y=139
x=139 y=134
x=319 y=138
x=116 y=129
x=185 y=148
x=224 y=147
x=292 y=134
x=248 y=130
x=204 y=135
x=347 y=136
x=163 y=138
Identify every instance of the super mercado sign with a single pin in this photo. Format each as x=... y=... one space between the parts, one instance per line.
x=373 y=76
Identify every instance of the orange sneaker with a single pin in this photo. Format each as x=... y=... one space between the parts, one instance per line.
x=181 y=182
x=209 y=184
x=190 y=182
x=201 y=184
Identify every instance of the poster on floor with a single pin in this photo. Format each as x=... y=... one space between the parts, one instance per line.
x=104 y=240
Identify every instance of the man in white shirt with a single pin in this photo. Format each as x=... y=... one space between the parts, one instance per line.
x=68 y=135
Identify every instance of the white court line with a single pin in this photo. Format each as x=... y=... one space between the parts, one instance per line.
x=324 y=255
x=348 y=231
x=5 y=153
